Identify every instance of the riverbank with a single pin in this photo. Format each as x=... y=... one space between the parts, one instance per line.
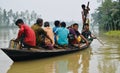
x=113 y=33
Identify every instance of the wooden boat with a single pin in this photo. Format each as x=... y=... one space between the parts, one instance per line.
x=21 y=55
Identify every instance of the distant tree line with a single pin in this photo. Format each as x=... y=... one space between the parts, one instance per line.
x=8 y=18
x=108 y=15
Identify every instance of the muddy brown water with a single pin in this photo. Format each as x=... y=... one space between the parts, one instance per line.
x=96 y=59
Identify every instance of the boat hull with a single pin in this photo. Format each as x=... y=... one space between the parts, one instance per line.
x=22 y=55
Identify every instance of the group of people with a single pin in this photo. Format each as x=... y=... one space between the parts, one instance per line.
x=48 y=37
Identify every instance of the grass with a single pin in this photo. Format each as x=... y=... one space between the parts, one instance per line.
x=113 y=33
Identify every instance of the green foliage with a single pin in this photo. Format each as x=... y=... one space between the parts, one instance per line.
x=113 y=33
x=108 y=15
x=8 y=18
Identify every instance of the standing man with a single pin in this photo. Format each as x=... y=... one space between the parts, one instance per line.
x=85 y=14
x=25 y=35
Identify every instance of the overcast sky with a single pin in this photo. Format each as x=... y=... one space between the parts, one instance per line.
x=51 y=10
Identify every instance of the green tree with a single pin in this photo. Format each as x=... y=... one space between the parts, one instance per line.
x=107 y=15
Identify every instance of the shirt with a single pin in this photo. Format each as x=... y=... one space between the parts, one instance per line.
x=62 y=34
x=29 y=35
x=75 y=33
x=49 y=33
x=40 y=34
x=86 y=34
x=54 y=29
x=55 y=36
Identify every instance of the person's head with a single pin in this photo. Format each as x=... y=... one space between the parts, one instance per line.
x=46 y=24
x=57 y=23
x=19 y=22
x=75 y=26
x=39 y=21
x=83 y=6
x=63 y=24
x=86 y=26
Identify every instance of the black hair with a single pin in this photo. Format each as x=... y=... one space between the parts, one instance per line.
x=83 y=6
x=19 y=21
x=63 y=24
x=57 y=23
x=39 y=21
x=46 y=24
x=75 y=24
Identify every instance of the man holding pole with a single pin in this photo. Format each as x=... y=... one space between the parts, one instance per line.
x=85 y=19
x=85 y=14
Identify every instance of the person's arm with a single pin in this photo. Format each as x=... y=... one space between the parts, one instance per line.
x=45 y=33
x=88 y=6
x=21 y=31
x=93 y=36
x=84 y=39
x=76 y=38
x=56 y=31
x=49 y=39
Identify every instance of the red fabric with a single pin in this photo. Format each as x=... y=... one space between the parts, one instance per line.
x=30 y=37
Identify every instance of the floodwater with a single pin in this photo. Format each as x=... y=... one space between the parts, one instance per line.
x=97 y=58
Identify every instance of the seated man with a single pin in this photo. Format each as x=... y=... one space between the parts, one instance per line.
x=87 y=33
x=50 y=33
x=40 y=33
x=62 y=34
x=25 y=35
x=75 y=36
x=57 y=25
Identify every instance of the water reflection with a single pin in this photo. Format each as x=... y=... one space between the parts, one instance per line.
x=73 y=63
x=108 y=56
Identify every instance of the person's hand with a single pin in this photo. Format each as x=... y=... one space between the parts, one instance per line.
x=87 y=43
x=95 y=37
x=51 y=41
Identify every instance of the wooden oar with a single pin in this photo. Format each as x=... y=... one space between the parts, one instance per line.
x=99 y=40
x=96 y=36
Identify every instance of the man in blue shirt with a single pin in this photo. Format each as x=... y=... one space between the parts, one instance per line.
x=57 y=25
x=62 y=34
